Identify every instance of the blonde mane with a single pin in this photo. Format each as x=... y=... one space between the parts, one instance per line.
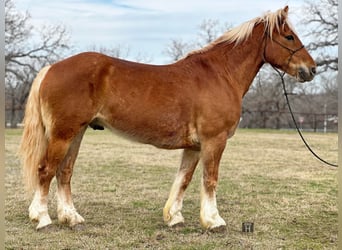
x=240 y=33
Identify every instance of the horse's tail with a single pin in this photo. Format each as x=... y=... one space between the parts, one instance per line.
x=34 y=140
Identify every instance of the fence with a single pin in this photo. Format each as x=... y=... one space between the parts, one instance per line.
x=315 y=122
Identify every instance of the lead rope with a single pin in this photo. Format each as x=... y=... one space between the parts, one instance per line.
x=292 y=52
x=295 y=123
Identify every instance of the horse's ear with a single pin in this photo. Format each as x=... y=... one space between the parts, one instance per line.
x=284 y=13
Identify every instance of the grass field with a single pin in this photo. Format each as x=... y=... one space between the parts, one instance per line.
x=120 y=188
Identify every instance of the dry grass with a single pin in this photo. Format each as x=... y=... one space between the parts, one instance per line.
x=120 y=187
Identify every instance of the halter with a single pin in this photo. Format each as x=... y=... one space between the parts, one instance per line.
x=292 y=52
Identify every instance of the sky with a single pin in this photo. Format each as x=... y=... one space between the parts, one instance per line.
x=145 y=27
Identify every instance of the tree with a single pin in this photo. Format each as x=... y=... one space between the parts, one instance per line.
x=322 y=22
x=264 y=105
x=27 y=50
x=177 y=49
x=208 y=32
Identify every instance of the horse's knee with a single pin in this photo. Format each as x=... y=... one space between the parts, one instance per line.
x=64 y=175
x=210 y=185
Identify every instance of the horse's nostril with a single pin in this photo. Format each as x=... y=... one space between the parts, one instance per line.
x=313 y=70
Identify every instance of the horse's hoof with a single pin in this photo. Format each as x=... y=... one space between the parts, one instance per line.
x=44 y=221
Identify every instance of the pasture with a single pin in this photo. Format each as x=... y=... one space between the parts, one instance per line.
x=120 y=187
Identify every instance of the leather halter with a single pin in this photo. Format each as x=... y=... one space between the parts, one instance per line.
x=292 y=52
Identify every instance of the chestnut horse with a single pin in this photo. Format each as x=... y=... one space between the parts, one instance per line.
x=193 y=104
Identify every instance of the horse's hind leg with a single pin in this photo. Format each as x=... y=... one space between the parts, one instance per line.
x=172 y=210
x=65 y=207
x=55 y=152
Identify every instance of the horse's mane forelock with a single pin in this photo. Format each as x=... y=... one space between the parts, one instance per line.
x=243 y=31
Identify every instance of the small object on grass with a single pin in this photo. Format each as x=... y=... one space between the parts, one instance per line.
x=247 y=227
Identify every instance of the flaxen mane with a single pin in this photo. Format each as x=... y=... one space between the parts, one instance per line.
x=243 y=31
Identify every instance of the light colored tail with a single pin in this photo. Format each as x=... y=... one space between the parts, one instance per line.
x=34 y=141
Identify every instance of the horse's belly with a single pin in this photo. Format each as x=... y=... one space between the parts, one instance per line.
x=160 y=134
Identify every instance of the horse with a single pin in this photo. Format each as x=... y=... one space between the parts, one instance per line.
x=193 y=104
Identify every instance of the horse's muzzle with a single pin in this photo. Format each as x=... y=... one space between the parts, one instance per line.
x=306 y=74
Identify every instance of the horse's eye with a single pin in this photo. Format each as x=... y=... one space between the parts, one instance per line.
x=289 y=37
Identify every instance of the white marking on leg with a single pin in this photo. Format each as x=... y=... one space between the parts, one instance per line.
x=209 y=215
x=172 y=210
x=66 y=210
x=176 y=214
x=38 y=210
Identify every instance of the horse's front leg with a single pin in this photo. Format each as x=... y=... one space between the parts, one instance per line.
x=172 y=210
x=211 y=153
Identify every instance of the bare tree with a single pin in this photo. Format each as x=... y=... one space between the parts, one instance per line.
x=264 y=105
x=27 y=50
x=177 y=49
x=208 y=31
x=322 y=22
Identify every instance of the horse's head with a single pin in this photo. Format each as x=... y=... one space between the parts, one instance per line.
x=285 y=51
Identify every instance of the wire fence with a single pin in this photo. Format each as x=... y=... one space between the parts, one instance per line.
x=315 y=122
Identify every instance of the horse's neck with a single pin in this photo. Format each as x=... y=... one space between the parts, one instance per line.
x=241 y=63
